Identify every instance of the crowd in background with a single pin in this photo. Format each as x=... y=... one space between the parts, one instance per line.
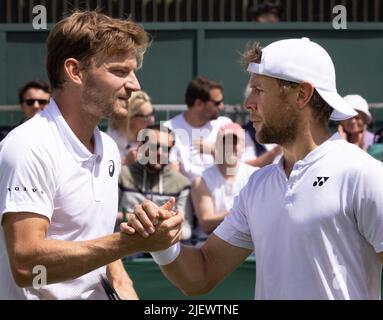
x=202 y=158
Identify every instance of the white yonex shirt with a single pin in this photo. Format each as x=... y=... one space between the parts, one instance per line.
x=45 y=169
x=223 y=191
x=192 y=162
x=316 y=234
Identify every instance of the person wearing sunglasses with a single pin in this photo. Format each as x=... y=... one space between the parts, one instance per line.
x=124 y=131
x=33 y=97
x=196 y=129
x=150 y=177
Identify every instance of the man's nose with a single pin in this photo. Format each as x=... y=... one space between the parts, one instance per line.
x=132 y=82
x=250 y=104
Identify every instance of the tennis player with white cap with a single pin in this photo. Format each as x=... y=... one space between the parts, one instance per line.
x=315 y=219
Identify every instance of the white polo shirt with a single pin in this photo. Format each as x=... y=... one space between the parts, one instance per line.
x=316 y=234
x=45 y=169
x=192 y=162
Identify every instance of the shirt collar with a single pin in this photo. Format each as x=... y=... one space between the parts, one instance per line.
x=315 y=154
x=78 y=150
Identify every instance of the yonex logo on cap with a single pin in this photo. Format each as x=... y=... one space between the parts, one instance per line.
x=320 y=181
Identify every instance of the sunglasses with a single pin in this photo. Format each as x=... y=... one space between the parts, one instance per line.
x=216 y=103
x=31 y=102
x=145 y=117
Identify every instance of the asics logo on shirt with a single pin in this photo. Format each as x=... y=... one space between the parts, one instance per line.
x=111 y=168
x=320 y=181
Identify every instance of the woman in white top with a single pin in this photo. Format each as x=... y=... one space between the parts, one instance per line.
x=213 y=193
x=124 y=131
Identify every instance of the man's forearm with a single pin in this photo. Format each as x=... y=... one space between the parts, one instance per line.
x=188 y=272
x=65 y=260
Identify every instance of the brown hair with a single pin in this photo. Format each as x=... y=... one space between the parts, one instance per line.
x=34 y=84
x=84 y=34
x=321 y=110
x=199 y=88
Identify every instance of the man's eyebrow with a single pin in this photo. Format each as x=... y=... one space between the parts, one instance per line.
x=117 y=65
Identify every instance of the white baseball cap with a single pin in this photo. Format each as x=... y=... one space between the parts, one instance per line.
x=359 y=104
x=300 y=60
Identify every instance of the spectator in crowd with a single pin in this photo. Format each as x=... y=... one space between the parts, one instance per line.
x=196 y=129
x=59 y=173
x=315 y=219
x=354 y=130
x=33 y=97
x=213 y=193
x=150 y=177
x=257 y=154
x=267 y=12
x=124 y=131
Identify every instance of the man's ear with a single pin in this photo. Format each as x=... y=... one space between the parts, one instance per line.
x=306 y=91
x=73 y=71
x=198 y=103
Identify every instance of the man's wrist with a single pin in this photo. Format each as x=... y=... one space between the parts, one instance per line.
x=167 y=256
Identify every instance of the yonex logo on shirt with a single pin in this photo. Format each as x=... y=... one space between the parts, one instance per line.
x=320 y=181
x=111 y=168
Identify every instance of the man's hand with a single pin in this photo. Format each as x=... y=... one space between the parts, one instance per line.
x=146 y=216
x=161 y=226
x=130 y=157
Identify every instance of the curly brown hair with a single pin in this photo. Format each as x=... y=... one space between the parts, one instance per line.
x=85 y=34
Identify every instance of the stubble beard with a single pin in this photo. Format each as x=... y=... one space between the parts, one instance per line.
x=102 y=106
x=281 y=130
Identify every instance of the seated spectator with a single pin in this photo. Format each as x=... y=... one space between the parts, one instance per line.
x=213 y=193
x=267 y=12
x=150 y=177
x=354 y=130
x=124 y=131
x=33 y=97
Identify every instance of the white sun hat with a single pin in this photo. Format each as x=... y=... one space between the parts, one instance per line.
x=299 y=60
x=359 y=104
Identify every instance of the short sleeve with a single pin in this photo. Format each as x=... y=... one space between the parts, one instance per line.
x=368 y=205
x=26 y=179
x=234 y=229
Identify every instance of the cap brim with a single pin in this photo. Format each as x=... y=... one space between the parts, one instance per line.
x=342 y=110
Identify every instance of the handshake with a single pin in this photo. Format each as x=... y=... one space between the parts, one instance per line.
x=155 y=229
